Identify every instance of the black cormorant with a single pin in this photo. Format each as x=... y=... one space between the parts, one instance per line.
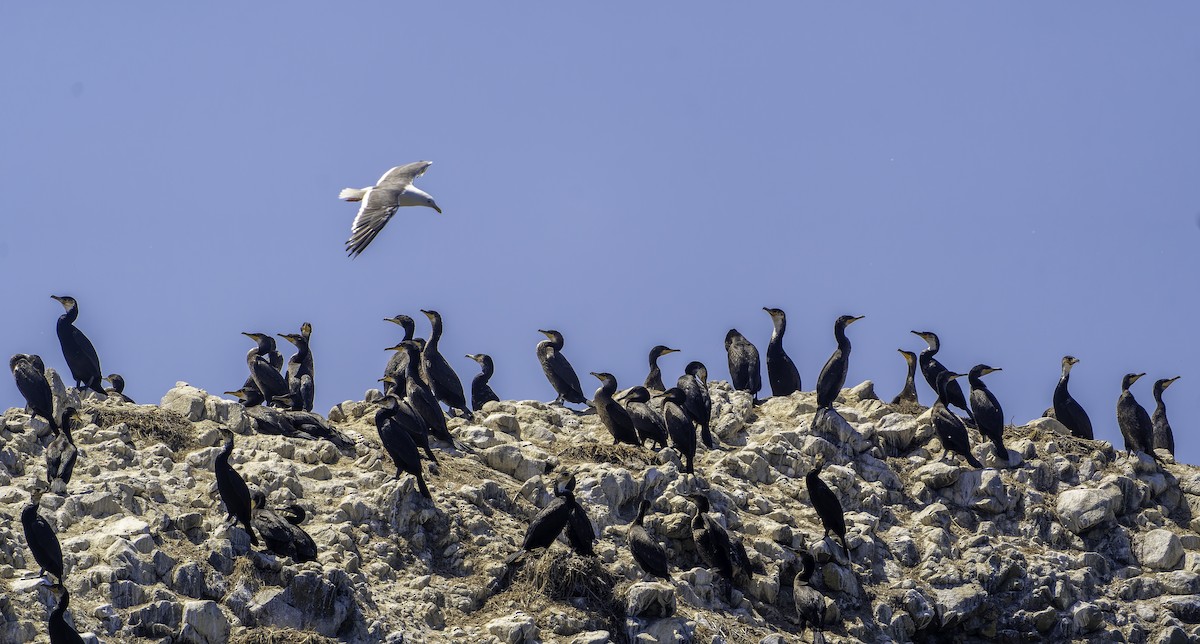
x=581 y=534
x=1164 y=438
x=280 y=535
x=810 y=603
x=558 y=371
x=417 y=393
x=694 y=383
x=931 y=368
x=712 y=543
x=234 y=492
x=744 y=371
x=833 y=374
x=647 y=422
x=77 y=349
x=989 y=416
x=649 y=554
x=909 y=393
x=781 y=371
x=543 y=529
x=442 y=379
x=30 y=374
x=949 y=427
x=117 y=390
x=61 y=454
x=59 y=630
x=400 y=447
x=614 y=417
x=266 y=376
x=40 y=537
x=679 y=427
x=248 y=395
x=828 y=507
x=300 y=377
x=410 y=420
x=395 y=365
x=1066 y=410
x=481 y=391
x=1133 y=419
x=654 y=381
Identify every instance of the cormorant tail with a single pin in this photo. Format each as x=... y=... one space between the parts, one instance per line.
x=1001 y=450
x=421 y=486
x=972 y=460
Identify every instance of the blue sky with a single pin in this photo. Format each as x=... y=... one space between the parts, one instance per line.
x=1020 y=179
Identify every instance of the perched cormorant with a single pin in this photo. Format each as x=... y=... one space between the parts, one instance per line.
x=266 y=376
x=989 y=416
x=614 y=417
x=744 y=371
x=712 y=542
x=59 y=630
x=280 y=535
x=410 y=420
x=77 y=349
x=40 y=537
x=234 y=492
x=300 y=378
x=558 y=371
x=481 y=391
x=833 y=374
x=781 y=371
x=1066 y=410
x=694 y=383
x=909 y=393
x=30 y=374
x=654 y=381
x=442 y=379
x=543 y=529
x=949 y=427
x=931 y=368
x=649 y=554
x=61 y=454
x=248 y=395
x=680 y=427
x=418 y=395
x=581 y=534
x=1133 y=419
x=1164 y=438
x=395 y=365
x=380 y=201
x=647 y=422
x=810 y=603
x=828 y=507
x=117 y=390
x=400 y=447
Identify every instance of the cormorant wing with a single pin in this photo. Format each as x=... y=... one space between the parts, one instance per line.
x=378 y=206
x=564 y=371
x=402 y=175
x=85 y=345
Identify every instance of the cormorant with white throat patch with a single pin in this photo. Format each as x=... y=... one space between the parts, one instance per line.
x=1066 y=410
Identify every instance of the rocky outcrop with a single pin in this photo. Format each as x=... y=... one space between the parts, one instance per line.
x=1066 y=541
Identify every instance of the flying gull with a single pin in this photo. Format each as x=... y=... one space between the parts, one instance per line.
x=379 y=203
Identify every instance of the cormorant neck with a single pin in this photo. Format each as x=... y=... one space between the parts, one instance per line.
x=641 y=513
x=409 y=330
x=70 y=315
x=488 y=369
x=436 y=332
x=839 y=332
x=608 y=387
x=780 y=326
x=974 y=378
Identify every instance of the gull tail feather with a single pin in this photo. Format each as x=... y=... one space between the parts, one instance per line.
x=352 y=194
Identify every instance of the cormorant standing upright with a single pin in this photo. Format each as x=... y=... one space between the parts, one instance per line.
x=418 y=395
x=234 y=492
x=614 y=417
x=400 y=447
x=680 y=427
x=300 y=377
x=744 y=371
x=442 y=379
x=117 y=390
x=1133 y=419
x=1066 y=410
x=781 y=371
x=581 y=534
x=828 y=507
x=712 y=543
x=266 y=376
x=654 y=381
x=694 y=383
x=40 y=537
x=30 y=374
x=481 y=391
x=61 y=454
x=949 y=427
x=395 y=365
x=833 y=374
x=810 y=604
x=931 y=368
x=58 y=629
x=989 y=416
x=77 y=349
x=647 y=422
x=1164 y=438
x=909 y=393
x=649 y=554
x=558 y=371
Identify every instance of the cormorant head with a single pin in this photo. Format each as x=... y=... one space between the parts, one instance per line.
x=929 y=337
x=846 y=320
x=909 y=356
x=433 y=316
x=239 y=394
x=943 y=380
x=1129 y=379
x=701 y=502
x=774 y=313
x=605 y=377
x=563 y=483
x=404 y=321
x=636 y=394
x=68 y=417
x=116 y=381
x=306 y=330
x=481 y=358
x=294 y=338
x=1068 y=362
x=982 y=370
x=730 y=337
x=675 y=395
x=258 y=498
x=552 y=335
x=696 y=368
x=65 y=300
x=661 y=350
x=1160 y=385
x=16 y=361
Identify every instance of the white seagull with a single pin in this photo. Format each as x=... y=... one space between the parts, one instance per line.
x=380 y=201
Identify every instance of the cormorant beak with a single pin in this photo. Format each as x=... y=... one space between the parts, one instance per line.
x=252 y=336
x=597 y=375
x=395 y=348
x=994 y=369
x=1168 y=382
x=853 y=320
x=670 y=351
x=57 y=298
x=1135 y=377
